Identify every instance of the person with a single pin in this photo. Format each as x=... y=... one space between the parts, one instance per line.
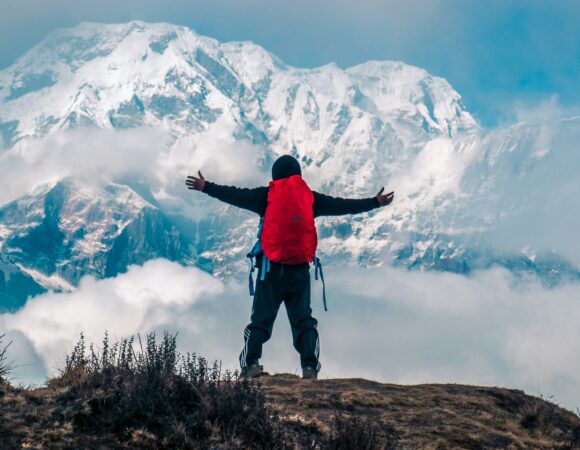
x=284 y=283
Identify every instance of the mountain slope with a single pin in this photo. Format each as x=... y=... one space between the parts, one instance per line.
x=69 y=229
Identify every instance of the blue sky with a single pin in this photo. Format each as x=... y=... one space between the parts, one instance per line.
x=499 y=54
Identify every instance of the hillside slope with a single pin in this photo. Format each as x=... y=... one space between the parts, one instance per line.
x=430 y=416
x=332 y=413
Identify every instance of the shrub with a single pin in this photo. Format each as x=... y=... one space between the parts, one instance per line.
x=571 y=438
x=537 y=415
x=353 y=433
x=150 y=389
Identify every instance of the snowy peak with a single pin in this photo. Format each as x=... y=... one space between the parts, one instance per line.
x=155 y=73
x=408 y=89
x=75 y=47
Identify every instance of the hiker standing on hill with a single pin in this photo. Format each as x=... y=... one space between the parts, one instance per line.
x=286 y=246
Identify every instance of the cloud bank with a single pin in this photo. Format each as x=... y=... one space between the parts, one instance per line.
x=90 y=154
x=151 y=154
x=385 y=324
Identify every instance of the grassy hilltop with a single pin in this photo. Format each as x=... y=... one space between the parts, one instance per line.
x=155 y=397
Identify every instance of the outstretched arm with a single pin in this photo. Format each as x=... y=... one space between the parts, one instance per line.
x=254 y=200
x=325 y=205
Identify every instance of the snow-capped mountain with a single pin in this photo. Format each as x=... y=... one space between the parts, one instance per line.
x=127 y=75
x=230 y=109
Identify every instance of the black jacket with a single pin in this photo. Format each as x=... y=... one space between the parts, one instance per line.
x=256 y=200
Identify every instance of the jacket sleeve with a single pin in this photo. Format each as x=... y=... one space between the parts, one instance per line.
x=325 y=205
x=252 y=199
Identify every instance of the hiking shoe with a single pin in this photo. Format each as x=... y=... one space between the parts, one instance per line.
x=252 y=371
x=309 y=373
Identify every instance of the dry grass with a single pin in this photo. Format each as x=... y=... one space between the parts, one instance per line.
x=430 y=416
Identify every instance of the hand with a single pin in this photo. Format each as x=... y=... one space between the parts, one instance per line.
x=195 y=183
x=385 y=199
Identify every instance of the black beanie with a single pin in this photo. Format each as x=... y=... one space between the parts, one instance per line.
x=285 y=166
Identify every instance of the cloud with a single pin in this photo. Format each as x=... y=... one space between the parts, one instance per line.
x=150 y=153
x=385 y=324
x=544 y=111
x=536 y=185
x=24 y=362
x=218 y=155
x=483 y=329
x=143 y=298
x=90 y=154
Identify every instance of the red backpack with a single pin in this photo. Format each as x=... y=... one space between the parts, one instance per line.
x=288 y=232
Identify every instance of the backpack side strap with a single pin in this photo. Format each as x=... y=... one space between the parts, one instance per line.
x=318 y=269
x=265 y=267
x=255 y=251
x=250 y=275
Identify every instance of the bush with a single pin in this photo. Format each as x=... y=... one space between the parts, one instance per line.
x=179 y=401
x=537 y=415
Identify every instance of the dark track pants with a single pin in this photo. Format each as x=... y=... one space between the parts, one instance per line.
x=291 y=285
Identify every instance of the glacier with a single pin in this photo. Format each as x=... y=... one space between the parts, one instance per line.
x=230 y=109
